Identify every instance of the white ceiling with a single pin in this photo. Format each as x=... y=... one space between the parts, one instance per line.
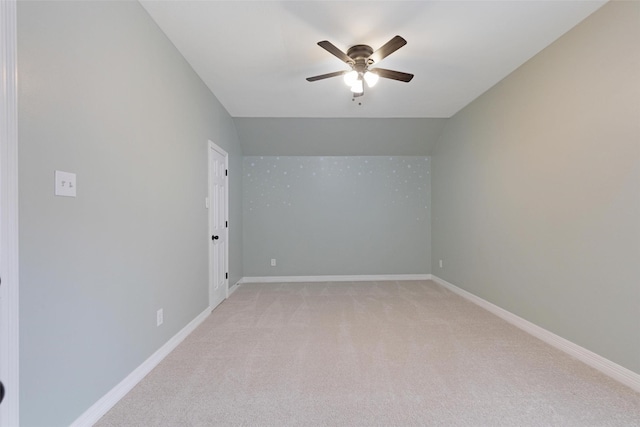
x=255 y=55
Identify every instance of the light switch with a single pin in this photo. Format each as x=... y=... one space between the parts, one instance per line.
x=65 y=184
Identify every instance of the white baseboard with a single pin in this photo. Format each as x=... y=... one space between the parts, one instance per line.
x=347 y=278
x=607 y=367
x=102 y=406
x=234 y=288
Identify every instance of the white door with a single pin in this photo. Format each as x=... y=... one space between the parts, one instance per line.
x=9 y=340
x=218 y=225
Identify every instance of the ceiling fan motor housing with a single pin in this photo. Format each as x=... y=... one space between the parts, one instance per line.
x=359 y=51
x=360 y=54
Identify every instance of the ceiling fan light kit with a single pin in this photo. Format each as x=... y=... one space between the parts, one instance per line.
x=357 y=87
x=360 y=57
x=371 y=78
x=351 y=78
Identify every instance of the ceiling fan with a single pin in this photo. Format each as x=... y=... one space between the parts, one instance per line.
x=360 y=57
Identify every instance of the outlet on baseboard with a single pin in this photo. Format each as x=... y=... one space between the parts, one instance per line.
x=159 y=317
x=273 y=262
x=440 y=263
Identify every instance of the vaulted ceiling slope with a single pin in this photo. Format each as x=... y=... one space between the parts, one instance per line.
x=255 y=55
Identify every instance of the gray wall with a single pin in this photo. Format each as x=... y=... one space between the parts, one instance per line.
x=336 y=215
x=535 y=189
x=338 y=137
x=104 y=94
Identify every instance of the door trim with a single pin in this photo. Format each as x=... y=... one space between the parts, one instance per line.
x=213 y=146
x=9 y=343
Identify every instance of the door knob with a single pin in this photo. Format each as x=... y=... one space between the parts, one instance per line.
x=215 y=237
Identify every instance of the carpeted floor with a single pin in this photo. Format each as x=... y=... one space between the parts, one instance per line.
x=368 y=354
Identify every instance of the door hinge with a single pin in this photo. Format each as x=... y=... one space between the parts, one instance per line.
x=226 y=172
x=226 y=224
x=226 y=275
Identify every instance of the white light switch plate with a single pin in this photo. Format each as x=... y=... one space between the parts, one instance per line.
x=65 y=184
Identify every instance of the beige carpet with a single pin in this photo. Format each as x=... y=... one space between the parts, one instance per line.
x=366 y=354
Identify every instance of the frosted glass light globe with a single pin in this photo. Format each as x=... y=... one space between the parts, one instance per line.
x=351 y=77
x=357 y=87
x=371 y=78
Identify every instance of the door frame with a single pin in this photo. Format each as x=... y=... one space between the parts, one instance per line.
x=9 y=267
x=213 y=146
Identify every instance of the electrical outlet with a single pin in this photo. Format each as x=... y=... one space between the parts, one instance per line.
x=159 y=317
x=273 y=262
x=440 y=263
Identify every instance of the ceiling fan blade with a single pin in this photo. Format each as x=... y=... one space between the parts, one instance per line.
x=395 y=75
x=391 y=46
x=325 y=76
x=329 y=47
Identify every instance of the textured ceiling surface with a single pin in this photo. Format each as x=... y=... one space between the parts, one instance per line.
x=255 y=55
